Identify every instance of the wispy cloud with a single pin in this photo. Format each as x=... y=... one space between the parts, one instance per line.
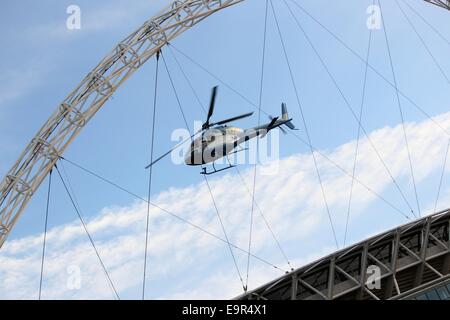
x=291 y=202
x=96 y=18
x=17 y=83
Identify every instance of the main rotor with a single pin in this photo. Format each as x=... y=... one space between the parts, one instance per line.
x=212 y=103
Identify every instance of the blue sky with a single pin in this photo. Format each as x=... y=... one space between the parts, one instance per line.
x=43 y=61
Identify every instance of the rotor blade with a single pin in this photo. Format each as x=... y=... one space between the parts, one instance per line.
x=234 y=118
x=174 y=148
x=283 y=130
x=212 y=103
x=290 y=125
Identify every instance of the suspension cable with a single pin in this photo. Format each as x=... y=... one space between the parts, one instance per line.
x=69 y=185
x=435 y=61
x=441 y=70
x=189 y=82
x=358 y=136
x=333 y=163
x=176 y=93
x=136 y=196
x=305 y=125
x=348 y=105
x=213 y=75
x=400 y=109
x=261 y=88
x=45 y=232
x=427 y=23
x=225 y=234
x=88 y=234
x=442 y=176
x=150 y=174
x=371 y=67
x=264 y=219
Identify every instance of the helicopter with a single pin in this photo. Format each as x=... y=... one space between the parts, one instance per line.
x=218 y=140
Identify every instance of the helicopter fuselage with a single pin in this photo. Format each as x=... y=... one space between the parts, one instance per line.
x=217 y=142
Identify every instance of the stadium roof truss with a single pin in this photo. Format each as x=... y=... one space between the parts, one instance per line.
x=407 y=258
x=441 y=3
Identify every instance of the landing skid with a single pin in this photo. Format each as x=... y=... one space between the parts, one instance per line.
x=205 y=172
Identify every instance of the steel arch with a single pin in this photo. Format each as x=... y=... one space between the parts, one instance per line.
x=72 y=115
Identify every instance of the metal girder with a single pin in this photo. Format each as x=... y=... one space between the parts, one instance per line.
x=440 y=3
x=409 y=257
x=72 y=115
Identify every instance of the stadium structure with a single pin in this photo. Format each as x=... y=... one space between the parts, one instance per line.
x=413 y=262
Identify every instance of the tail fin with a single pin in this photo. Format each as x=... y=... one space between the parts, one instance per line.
x=284 y=112
x=285 y=117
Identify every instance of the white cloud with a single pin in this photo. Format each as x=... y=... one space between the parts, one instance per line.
x=186 y=263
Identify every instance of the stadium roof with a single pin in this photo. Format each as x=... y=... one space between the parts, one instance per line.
x=408 y=258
